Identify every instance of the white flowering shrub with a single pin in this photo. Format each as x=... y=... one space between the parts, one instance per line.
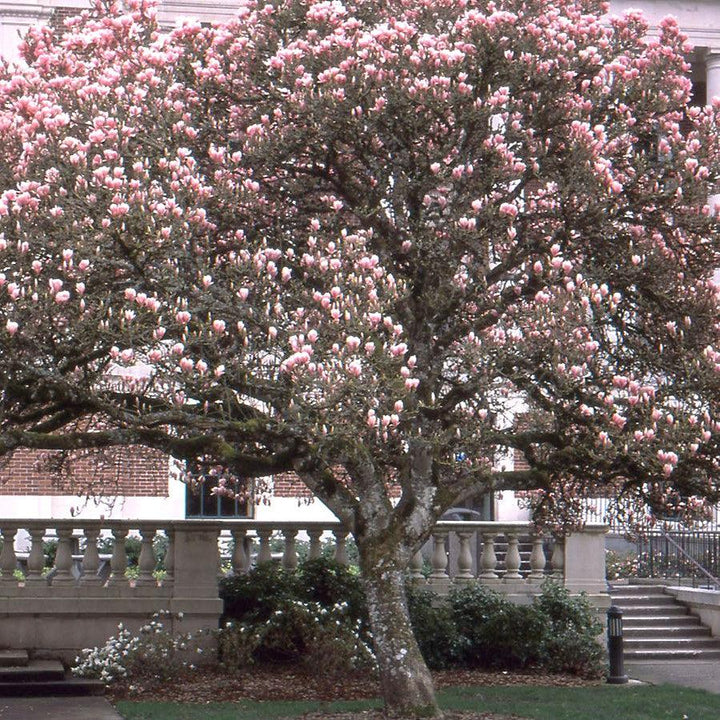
x=109 y=662
x=237 y=643
x=301 y=631
x=154 y=653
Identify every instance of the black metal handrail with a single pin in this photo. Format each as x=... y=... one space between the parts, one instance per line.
x=691 y=559
x=666 y=557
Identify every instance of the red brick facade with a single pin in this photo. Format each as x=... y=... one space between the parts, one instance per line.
x=289 y=485
x=128 y=471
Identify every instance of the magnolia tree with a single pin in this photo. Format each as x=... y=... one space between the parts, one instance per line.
x=349 y=241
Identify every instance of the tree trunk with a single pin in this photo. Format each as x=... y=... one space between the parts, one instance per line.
x=405 y=681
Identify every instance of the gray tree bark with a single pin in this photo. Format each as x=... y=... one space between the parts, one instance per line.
x=405 y=681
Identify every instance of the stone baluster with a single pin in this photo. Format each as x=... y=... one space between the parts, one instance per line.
x=315 y=549
x=557 y=561
x=8 y=559
x=265 y=553
x=439 y=559
x=239 y=560
x=415 y=566
x=91 y=557
x=341 y=555
x=118 y=560
x=488 y=558
x=63 y=558
x=464 y=560
x=512 y=558
x=36 y=559
x=290 y=558
x=146 y=561
x=169 y=578
x=537 y=559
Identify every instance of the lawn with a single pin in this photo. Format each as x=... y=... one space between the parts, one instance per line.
x=627 y=702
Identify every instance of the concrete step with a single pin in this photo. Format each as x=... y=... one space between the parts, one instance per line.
x=640 y=621
x=67 y=687
x=664 y=631
x=43 y=678
x=636 y=589
x=672 y=643
x=642 y=599
x=657 y=627
x=34 y=671
x=654 y=611
x=9 y=658
x=670 y=654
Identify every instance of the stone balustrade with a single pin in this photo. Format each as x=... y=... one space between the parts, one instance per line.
x=81 y=601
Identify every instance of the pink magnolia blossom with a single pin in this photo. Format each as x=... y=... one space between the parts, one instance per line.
x=392 y=265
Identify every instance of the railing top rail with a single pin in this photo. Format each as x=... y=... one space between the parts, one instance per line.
x=681 y=531
x=511 y=525
x=251 y=524
x=209 y=523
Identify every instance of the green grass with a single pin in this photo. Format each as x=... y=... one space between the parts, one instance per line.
x=245 y=710
x=605 y=702
x=624 y=702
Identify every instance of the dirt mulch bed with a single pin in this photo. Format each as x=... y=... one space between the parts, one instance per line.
x=206 y=685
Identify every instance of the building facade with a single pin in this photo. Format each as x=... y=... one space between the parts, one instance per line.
x=138 y=483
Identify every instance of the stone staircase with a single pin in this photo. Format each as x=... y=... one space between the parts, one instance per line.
x=657 y=627
x=21 y=676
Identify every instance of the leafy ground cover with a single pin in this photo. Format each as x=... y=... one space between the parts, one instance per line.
x=264 y=693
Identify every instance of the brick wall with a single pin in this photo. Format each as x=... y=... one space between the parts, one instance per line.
x=289 y=485
x=129 y=471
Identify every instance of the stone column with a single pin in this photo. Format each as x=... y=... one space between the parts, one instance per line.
x=712 y=73
x=585 y=560
x=712 y=78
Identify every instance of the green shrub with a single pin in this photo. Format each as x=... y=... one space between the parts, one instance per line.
x=566 y=611
x=286 y=634
x=315 y=615
x=571 y=638
x=329 y=583
x=434 y=627
x=258 y=594
x=160 y=548
x=50 y=551
x=478 y=627
x=237 y=644
x=495 y=632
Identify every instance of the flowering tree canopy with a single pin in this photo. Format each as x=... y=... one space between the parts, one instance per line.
x=349 y=241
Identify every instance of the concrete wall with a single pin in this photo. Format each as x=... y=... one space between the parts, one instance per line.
x=703 y=603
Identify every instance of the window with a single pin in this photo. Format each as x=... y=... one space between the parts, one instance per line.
x=202 y=501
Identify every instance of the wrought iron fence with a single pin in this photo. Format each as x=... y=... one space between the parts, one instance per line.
x=688 y=555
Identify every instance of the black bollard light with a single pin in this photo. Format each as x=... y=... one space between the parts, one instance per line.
x=617 y=674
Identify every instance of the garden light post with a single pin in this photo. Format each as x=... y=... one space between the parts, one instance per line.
x=616 y=675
